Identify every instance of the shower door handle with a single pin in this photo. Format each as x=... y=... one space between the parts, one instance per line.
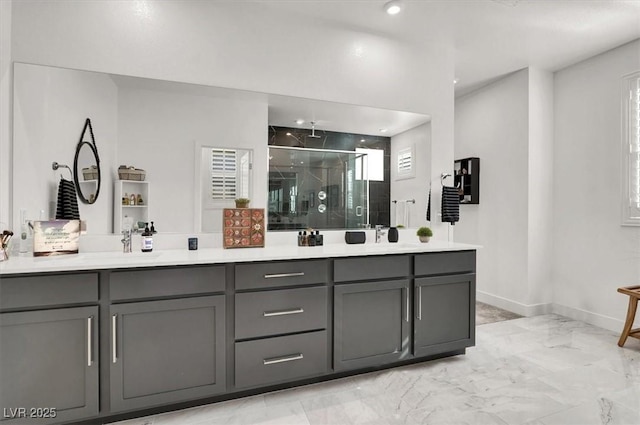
x=359 y=208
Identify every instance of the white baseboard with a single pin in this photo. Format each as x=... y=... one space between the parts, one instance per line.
x=526 y=310
x=595 y=319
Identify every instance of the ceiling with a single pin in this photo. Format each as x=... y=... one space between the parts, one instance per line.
x=491 y=38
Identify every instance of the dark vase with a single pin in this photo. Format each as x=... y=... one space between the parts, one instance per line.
x=393 y=234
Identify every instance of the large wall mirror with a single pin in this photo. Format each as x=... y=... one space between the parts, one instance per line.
x=159 y=127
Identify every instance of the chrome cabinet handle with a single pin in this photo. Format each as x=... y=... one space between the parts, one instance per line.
x=359 y=211
x=114 y=337
x=275 y=360
x=419 y=297
x=406 y=292
x=282 y=312
x=89 y=339
x=272 y=276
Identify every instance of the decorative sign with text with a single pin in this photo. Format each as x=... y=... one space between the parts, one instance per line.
x=56 y=237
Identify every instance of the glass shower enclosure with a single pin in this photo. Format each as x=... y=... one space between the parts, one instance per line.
x=317 y=188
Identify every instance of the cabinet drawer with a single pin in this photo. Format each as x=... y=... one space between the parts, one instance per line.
x=280 y=359
x=445 y=263
x=125 y=285
x=367 y=268
x=38 y=291
x=283 y=273
x=281 y=311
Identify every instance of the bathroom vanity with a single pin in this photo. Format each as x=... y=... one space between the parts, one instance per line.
x=100 y=337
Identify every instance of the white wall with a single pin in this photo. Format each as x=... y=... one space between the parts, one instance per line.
x=159 y=132
x=549 y=213
x=492 y=124
x=416 y=187
x=6 y=79
x=45 y=131
x=540 y=187
x=252 y=46
x=593 y=254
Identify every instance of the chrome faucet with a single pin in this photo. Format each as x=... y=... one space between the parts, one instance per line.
x=379 y=233
x=126 y=240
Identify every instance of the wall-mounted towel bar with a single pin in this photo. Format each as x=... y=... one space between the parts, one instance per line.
x=403 y=214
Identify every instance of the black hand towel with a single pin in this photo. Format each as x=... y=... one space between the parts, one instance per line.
x=429 y=206
x=450 y=205
x=67 y=206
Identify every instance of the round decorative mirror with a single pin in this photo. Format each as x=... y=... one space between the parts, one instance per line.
x=86 y=168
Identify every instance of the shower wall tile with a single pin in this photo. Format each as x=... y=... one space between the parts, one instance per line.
x=379 y=191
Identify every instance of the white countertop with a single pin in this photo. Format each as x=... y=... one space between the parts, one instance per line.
x=178 y=257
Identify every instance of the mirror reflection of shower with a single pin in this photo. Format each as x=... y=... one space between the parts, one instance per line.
x=317 y=188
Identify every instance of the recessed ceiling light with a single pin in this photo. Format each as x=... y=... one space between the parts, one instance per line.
x=393 y=7
x=383 y=130
x=299 y=121
x=455 y=81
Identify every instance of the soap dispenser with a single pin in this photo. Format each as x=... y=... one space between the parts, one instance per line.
x=147 y=239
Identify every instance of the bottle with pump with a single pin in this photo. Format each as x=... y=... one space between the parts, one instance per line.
x=147 y=239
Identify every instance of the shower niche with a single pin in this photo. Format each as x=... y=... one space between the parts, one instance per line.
x=317 y=188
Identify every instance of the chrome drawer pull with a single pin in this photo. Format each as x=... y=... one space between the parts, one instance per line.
x=406 y=292
x=89 y=339
x=276 y=275
x=282 y=312
x=114 y=337
x=419 y=302
x=275 y=360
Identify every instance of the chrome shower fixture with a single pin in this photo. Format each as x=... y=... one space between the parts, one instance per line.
x=313 y=130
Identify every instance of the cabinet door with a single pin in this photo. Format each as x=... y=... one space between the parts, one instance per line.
x=166 y=351
x=371 y=323
x=48 y=365
x=444 y=313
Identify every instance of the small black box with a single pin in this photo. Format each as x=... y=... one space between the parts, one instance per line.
x=355 y=237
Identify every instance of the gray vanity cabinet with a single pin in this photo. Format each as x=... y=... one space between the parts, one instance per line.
x=49 y=348
x=281 y=320
x=371 y=311
x=49 y=365
x=371 y=324
x=444 y=302
x=444 y=314
x=166 y=351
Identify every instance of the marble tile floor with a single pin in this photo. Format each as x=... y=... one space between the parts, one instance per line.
x=542 y=370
